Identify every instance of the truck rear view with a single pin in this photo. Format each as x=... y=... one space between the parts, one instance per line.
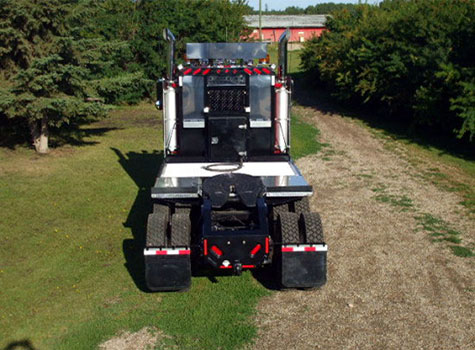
x=228 y=195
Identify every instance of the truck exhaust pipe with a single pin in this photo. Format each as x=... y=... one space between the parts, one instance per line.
x=283 y=40
x=170 y=141
x=168 y=36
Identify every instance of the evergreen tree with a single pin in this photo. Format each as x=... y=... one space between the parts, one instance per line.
x=50 y=88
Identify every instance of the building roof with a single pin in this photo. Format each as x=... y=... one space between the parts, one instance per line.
x=284 y=21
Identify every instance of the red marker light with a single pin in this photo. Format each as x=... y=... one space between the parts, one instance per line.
x=205 y=247
x=197 y=71
x=266 y=70
x=257 y=71
x=255 y=249
x=188 y=71
x=278 y=85
x=216 y=250
x=206 y=71
x=247 y=71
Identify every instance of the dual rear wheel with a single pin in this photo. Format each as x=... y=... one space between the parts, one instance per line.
x=166 y=229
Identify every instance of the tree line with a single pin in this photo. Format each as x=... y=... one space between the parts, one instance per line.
x=318 y=9
x=63 y=63
x=412 y=60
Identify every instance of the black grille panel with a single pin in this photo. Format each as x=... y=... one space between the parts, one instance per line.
x=227 y=100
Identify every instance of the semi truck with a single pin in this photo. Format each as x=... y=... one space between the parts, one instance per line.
x=228 y=196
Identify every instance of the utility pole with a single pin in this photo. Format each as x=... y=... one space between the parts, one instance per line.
x=260 y=22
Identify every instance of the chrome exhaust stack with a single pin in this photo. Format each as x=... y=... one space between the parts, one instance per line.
x=283 y=40
x=168 y=36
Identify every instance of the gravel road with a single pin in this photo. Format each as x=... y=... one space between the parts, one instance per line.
x=389 y=286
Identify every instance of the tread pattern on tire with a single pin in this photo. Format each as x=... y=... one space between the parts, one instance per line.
x=157 y=225
x=180 y=230
x=302 y=206
x=289 y=228
x=182 y=210
x=311 y=225
x=279 y=209
x=160 y=209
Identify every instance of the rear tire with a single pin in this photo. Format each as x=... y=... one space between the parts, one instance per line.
x=161 y=209
x=279 y=209
x=180 y=230
x=288 y=228
x=311 y=226
x=157 y=225
x=302 y=206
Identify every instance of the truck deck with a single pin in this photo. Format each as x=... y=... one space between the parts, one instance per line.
x=184 y=180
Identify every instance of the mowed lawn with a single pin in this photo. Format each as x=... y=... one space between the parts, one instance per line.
x=71 y=233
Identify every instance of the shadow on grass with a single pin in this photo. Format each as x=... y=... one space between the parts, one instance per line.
x=15 y=135
x=142 y=168
x=20 y=345
x=398 y=127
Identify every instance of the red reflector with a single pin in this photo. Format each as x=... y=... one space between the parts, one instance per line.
x=266 y=70
x=161 y=252
x=197 y=71
x=286 y=249
x=235 y=71
x=188 y=71
x=174 y=85
x=184 y=252
x=173 y=152
x=310 y=249
x=257 y=71
x=218 y=71
x=248 y=266
x=247 y=71
x=267 y=245
x=205 y=247
x=277 y=151
x=278 y=85
x=217 y=251
x=255 y=249
x=226 y=267
x=206 y=71
x=226 y=71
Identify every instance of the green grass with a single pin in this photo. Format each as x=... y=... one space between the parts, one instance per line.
x=71 y=236
x=440 y=231
x=401 y=201
x=304 y=138
x=396 y=201
x=462 y=251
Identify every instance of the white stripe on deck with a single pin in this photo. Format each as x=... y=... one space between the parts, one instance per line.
x=249 y=168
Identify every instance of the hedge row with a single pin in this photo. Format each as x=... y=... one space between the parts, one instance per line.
x=409 y=58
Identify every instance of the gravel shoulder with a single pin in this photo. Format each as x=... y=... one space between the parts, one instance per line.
x=389 y=286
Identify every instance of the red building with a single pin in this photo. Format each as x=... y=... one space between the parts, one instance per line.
x=302 y=27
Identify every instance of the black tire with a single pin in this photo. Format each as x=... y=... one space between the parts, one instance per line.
x=180 y=230
x=182 y=210
x=157 y=225
x=302 y=206
x=280 y=209
x=288 y=228
x=311 y=226
x=160 y=209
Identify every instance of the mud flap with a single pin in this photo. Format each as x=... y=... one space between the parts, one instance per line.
x=304 y=266
x=167 y=272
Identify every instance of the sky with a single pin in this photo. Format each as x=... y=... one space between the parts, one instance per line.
x=282 y=4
